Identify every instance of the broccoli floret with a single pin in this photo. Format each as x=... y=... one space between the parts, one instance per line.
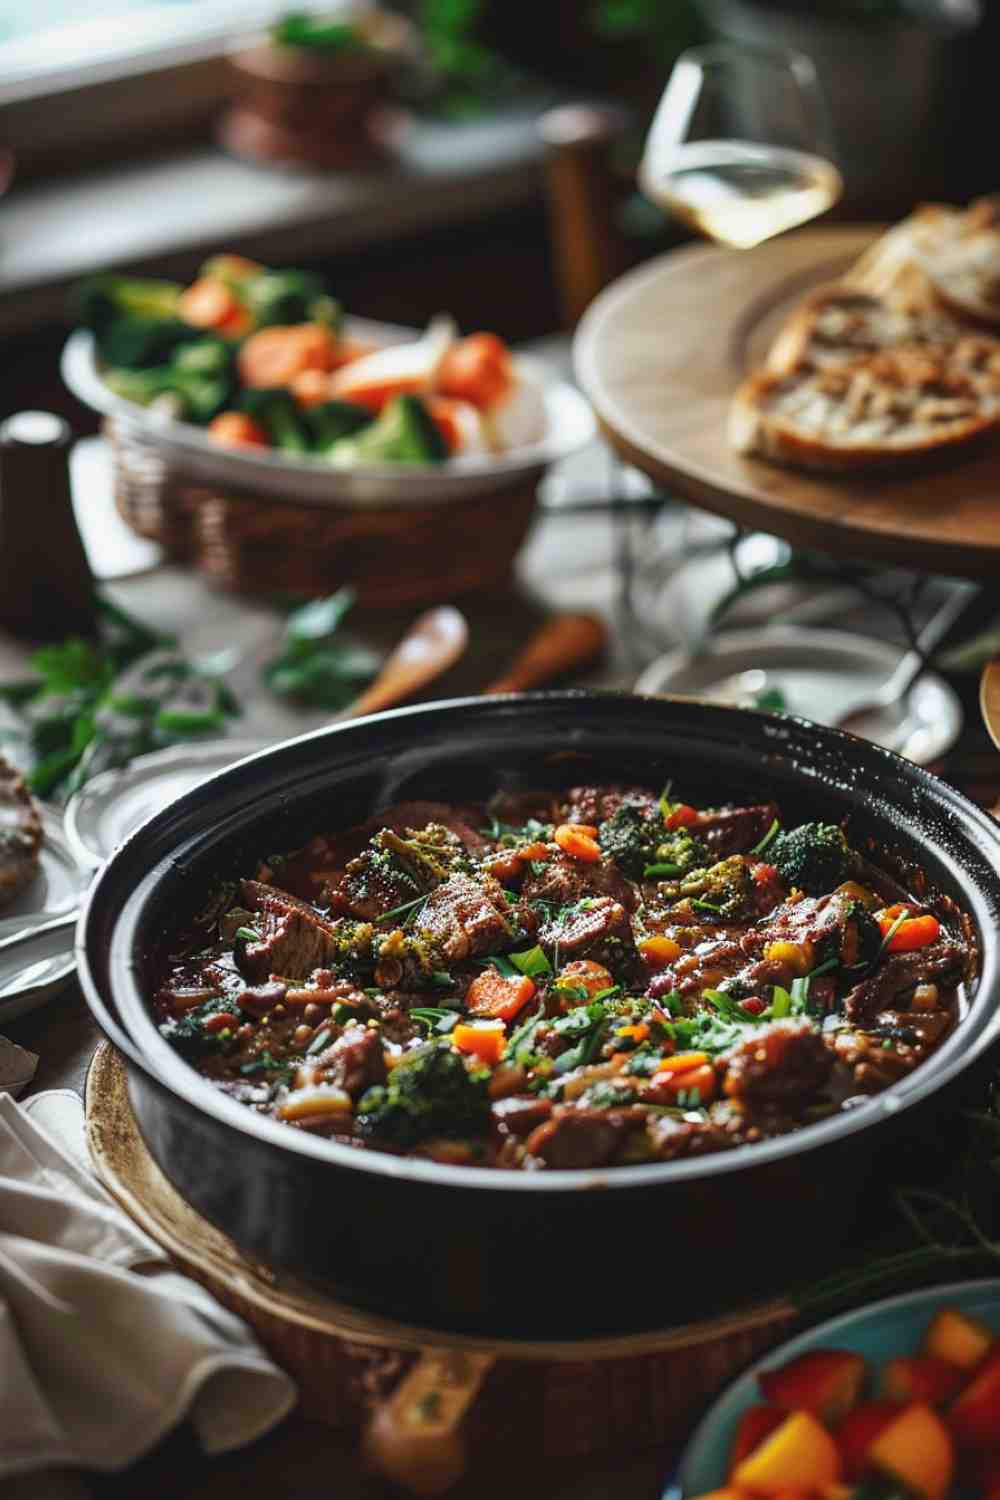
x=284 y=297
x=724 y=890
x=404 y=434
x=683 y=851
x=430 y=854
x=630 y=837
x=333 y=420
x=195 y=393
x=280 y=417
x=134 y=322
x=814 y=857
x=430 y=1092
x=187 y=1032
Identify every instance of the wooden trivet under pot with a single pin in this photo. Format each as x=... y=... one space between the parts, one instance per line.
x=426 y=1399
x=413 y=554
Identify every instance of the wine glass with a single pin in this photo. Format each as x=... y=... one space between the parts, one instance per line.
x=739 y=146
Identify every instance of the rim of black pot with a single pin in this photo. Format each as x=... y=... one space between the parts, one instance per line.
x=165 y=1068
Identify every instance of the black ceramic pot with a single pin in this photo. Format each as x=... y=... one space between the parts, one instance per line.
x=503 y=1252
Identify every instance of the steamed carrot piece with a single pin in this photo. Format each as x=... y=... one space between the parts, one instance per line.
x=658 y=951
x=691 y=1086
x=477 y=369
x=485 y=1042
x=211 y=304
x=310 y=387
x=492 y=994
x=681 y=816
x=912 y=932
x=234 y=429
x=579 y=840
x=274 y=356
x=916 y=1449
x=585 y=974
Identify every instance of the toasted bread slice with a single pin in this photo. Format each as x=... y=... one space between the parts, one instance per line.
x=876 y=412
x=836 y=323
x=20 y=833
x=959 y=253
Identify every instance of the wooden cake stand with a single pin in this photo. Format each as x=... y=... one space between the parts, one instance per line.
x=422 y=1397
x=660 y=353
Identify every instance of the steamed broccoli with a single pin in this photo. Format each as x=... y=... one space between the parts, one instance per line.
x=814 y=857
x=724 y=890
x=135 y=322
x=630 y=837
x=189 y=394
x=405 y=433
x=187 y=1032
x=683 y=851
x=430 y=1092
x=275 y=297
x=276 y=411
x=333 y=420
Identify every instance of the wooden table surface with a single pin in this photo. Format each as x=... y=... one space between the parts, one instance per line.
x=567 y=563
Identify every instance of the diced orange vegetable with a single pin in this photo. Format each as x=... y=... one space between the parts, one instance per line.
x=921 y=1377
x=493 y=995
x=756 y=1424
x=212 y=304
x=856 y=1432
x=826 y=1382
x=538 y=851
x=681 y=816
x=974 y=1416
x=798 y=1454
x=477 y=369
x=666 y=1087
x=274 y=356
x=579 y=840
x=234 y=429
x=959 y=1339
x=637 y=1033
x=311 y=387
x=912 y=932
x=683 y=1062
x=659 y=950
x=485 y=1042
x=585 y=974
x=917 y=1450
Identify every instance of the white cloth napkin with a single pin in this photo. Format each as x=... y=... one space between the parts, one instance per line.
x=97 y=1360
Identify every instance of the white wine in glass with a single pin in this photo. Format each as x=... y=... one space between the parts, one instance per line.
x=739 y=147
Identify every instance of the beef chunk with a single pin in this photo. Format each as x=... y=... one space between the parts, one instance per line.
x=672 y=1139
x=354 y=1061
x=294 y=939
x=580 y=1137
x=597 y=928
x=779 y=1067
x=900 y=973
x=519 y=1115
x=562 y=881
x=734 y=830
x=592 y=804
x=893 y=1048
x=467 y=917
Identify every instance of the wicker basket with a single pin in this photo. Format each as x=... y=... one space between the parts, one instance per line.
x=415 y=554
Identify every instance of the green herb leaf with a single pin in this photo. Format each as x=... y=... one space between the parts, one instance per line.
x=531 y=961
x=781 y=1003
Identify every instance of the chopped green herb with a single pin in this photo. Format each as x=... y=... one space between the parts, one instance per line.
x=769 y=837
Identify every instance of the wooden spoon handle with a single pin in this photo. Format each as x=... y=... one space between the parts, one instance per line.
x=989 y=699
x=563 y=644
x=415 y=1437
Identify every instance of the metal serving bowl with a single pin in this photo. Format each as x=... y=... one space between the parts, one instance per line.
x=556 y=1253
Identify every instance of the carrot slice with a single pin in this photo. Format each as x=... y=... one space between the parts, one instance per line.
x=234 y=429
x=584 y=973
x=208 y=304
x=579 y=840
x=912 y=932
x=477 y=369
x=274 y=356
x=659 y=950
x=485 y=1042
x=310 y=387
x=492 y=994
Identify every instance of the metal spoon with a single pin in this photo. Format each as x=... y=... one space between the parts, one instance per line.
x=878 y=718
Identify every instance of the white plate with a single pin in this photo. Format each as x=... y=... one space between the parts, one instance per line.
x=569 y=425
x=113 y=804
x=56 y=889
x=821 y=674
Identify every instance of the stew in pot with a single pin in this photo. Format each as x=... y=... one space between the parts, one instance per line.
x=594 y=978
